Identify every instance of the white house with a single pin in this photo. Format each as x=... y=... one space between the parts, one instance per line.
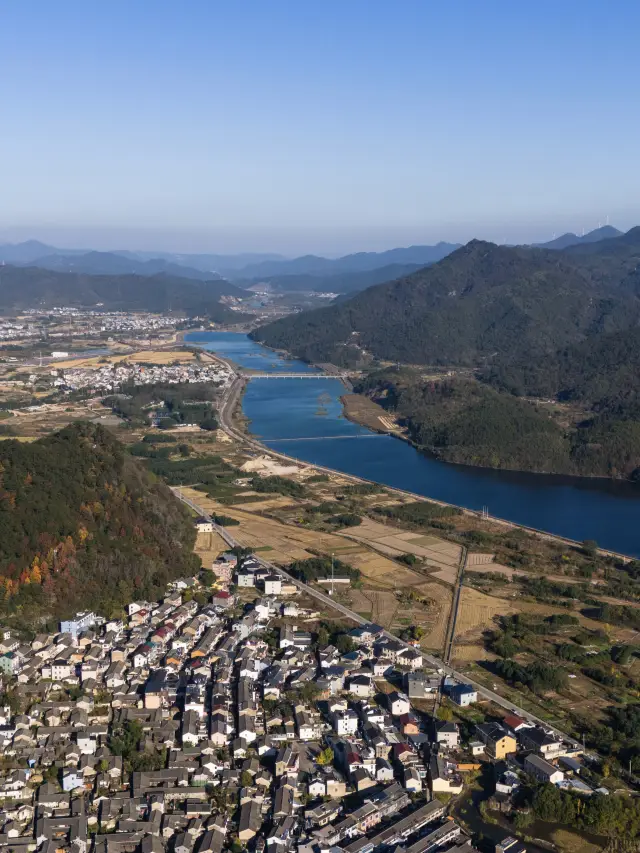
x=361 y=685
x=345 y=722
x=447 y=733
x=398 y=703
x=61 y=669
x=542 y=769
x=273 y=585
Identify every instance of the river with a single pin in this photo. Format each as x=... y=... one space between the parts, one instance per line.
x=304 y=419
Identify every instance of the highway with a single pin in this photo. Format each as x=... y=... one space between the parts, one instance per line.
x=328 y=601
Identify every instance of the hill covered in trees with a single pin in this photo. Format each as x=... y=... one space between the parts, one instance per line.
x=481 y=304
x=464 y=421
x=84 y=526
x=30 y=287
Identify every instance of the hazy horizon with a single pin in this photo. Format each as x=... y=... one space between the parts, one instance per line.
x=114 y=240
x=316 y=128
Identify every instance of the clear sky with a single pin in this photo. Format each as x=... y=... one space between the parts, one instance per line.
x=316 y=125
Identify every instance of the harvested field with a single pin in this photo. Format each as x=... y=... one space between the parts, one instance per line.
x=290 y=542
x=477 y=610
x=208 y=547
x=470 y=652
x=384 y=606
x=432 y=619
x=395 y=541
x=448 y=575
x=507 y=571
x=266 y=504
x=360 y=603
x=148 y=356
x=475 y=558
x=362 y=410
x=50 y=417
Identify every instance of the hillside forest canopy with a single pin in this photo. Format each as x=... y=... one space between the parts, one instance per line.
x=83 y=525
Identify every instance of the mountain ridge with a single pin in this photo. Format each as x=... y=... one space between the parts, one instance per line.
x=111 y=263
x=252 y=267
x=27 y=287
x=481 y=300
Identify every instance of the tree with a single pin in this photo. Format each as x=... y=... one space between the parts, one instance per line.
x=523 y=820
x=590 y=547
x=322 y=638
x=344 y=644
x=325 y=758
x=246 y=779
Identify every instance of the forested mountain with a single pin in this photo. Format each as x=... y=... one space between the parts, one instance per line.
x=83 y=525
x=464 y=421
x=31 y=287
x=602 y=371
x=482 y=303
x=111 y=263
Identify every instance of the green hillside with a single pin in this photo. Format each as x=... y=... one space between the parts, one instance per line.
x=467 y=422
x=84 y=526
x=483 y=303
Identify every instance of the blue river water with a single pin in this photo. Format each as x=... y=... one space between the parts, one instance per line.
x=295 y=416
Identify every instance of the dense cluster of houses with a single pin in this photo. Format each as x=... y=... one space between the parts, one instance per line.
x=110 y=377
x=248 y=734
x=91 y=322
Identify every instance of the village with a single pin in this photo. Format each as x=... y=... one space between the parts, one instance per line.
x=111 y=377
x=230 y=716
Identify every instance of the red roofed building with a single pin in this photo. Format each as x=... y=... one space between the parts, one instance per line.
x=515 y=723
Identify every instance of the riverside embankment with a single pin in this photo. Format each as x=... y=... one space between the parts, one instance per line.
x=567 y=508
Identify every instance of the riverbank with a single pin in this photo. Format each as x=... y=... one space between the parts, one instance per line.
x=566 y=510
x=237 y=420
x=361 y=410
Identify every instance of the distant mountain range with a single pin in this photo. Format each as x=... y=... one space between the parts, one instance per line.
x=606 y=232
x=347 y=274
x=110 y=263
x=346 y=283
x=360 y=262
x=32 y=287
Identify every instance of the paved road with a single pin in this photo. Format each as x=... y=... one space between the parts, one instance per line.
x=434 y=662
x=455 y=606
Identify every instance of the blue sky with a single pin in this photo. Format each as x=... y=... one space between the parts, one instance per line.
x=316 y=125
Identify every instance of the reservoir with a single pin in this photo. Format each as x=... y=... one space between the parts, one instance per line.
x=304 y=419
